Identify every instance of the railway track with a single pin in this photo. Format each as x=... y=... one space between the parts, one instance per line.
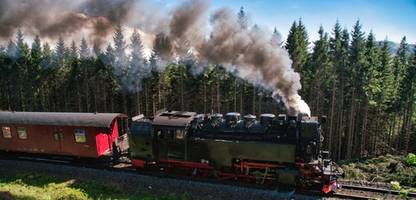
x=347 y=191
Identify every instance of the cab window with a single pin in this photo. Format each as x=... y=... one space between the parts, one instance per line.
x=179 y=134
x=122 y=125
x=7 y=133
x=22 y=133
x=80 y=136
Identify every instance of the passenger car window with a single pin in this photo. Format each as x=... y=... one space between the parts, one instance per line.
x=58 y=134
x=80 y=136
x=7 y=133
x=22 y=133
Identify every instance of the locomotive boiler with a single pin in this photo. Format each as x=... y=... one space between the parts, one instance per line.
x=275 y=150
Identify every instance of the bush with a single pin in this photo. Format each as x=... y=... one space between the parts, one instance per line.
x=395 y=185
x=411 y=159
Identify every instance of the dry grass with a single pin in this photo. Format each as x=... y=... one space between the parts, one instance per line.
x=41 y=187
x=386 y=168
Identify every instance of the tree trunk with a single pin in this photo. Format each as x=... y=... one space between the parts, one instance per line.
x=341 y=129
x=407 y=125
x=254 y=100
x=241 y=97
x=87 y=95
x=79 y=97
x=364 y=127
x=146 y=99
x=182 y=88
x=260 y=101
x=138 y=102
x=218 y=96
x=332 y=118
x=205 y=97
x=235 y=94
x=350 y=136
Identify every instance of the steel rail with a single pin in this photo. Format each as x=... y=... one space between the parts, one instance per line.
x=378 y=190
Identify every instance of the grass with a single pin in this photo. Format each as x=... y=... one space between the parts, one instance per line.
x=44 y=187
x=386 y=168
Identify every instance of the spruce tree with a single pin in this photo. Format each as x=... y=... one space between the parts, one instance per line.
x=337 y=97
x=84 y=50
x=297 y=46
x=34 y=73
x=242 y=19
x=386 y=75
x=59 y=53
x=276 y=39
x=318 y=66
x=120 y=67
x=357 y=63
x=137 y=70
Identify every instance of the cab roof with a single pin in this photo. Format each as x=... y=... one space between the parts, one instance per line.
x=173 y=118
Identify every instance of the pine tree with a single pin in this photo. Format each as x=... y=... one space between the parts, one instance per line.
x=22 y=84
x=357 y=63
x=137 y=69
x=34 y=73
x=404 y=77
x=243 y=19
x=276 y=38
x=318 y=66
x=22 y=48
x=297 y=45
x=110 y=79
x=74 y=50
x=59 y=53
x=120 y=62
x=371 y=87
x=84 y=50
x=338 y=56
x=87 y=71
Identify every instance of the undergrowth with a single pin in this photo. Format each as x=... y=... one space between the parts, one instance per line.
x=43 y=187
x=388 y=169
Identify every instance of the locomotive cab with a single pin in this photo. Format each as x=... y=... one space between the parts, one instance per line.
x=309 y=140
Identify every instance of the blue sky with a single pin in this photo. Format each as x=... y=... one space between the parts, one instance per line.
x=391 y=18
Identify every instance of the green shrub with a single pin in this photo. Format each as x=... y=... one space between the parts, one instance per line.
x=411 y=159
x=395 y=185
x=403 y=193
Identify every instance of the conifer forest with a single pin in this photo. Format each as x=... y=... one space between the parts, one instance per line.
x=363 y=84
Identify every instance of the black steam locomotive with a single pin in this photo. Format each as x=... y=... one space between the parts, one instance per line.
x=283 y=150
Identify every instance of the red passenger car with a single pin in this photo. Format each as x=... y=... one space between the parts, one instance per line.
x=87 y=135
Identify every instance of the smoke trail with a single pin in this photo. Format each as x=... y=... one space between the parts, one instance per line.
x=247 y=52
x=52 y=19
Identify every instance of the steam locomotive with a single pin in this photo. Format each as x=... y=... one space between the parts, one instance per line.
x=283 y=150
x=272 y=150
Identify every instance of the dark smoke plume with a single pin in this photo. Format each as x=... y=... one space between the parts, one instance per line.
x=50 y=18
x=176 y=34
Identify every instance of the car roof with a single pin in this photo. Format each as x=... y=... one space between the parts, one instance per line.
x=59 y=118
